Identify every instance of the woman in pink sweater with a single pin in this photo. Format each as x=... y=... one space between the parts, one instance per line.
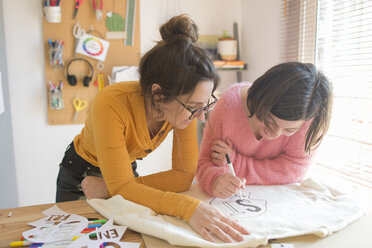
x=269 y=129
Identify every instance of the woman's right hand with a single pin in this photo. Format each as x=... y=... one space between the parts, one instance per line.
x=94 y=187
x=209 y=221
x=227 y=185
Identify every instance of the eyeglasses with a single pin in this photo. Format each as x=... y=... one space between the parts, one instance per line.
x=196 y=112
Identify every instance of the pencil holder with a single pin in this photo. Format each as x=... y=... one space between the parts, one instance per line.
x=52 y=14
x=55 y=53
x=55 y=99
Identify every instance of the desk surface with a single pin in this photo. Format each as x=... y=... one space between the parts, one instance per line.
x=358 y=234
x=11 y=228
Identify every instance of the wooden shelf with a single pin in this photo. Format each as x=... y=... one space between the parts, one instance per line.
x=233 y=69
x=237 y=70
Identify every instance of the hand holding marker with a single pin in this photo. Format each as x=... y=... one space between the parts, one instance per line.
x=233 y=173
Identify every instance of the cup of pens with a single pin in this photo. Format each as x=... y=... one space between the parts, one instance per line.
x=55 y=53
x=55 y=96
x=52 y=14
x=52 y=11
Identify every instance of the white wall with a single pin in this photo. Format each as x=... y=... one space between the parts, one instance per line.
x=260 y=35
x=8 y=180
x=39 y=147
x=212 y=16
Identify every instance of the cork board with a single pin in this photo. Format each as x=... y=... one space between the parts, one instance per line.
x=118 y=55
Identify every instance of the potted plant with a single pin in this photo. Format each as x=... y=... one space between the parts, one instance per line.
x=227 y=47
x=115 y=25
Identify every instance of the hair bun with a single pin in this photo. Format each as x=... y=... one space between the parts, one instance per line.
x=179 y=28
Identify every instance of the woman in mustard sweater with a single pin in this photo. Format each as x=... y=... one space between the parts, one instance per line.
x=129 y=120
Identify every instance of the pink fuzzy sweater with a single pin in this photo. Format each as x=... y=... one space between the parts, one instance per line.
x=278 y=161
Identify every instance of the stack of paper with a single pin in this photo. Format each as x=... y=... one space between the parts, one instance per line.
x=60 y=229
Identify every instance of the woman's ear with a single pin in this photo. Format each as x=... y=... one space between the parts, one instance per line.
x=155 y=92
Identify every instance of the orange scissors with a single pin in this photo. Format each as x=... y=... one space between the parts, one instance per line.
x=77 y=5
x=79 y=105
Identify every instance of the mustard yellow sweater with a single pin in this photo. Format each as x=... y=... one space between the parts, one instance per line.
x=116 y=133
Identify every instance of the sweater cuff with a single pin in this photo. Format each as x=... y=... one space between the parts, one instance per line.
x=212 y=179
x=191 y=209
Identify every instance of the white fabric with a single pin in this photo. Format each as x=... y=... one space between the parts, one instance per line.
x=272 y=212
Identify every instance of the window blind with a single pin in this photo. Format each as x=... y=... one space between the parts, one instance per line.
x=298 y=30
x=340 y=45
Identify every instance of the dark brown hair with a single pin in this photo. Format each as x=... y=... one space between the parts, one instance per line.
x=175 y=63
x=294 y=91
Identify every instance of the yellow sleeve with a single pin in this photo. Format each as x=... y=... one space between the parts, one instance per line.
x=184 y=164
x=109 y=127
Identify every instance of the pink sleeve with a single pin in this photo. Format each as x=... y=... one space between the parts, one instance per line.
x=207 y=172
x=289 y=167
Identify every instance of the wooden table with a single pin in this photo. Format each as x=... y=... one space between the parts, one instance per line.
x=11 y=228
x=358 y=234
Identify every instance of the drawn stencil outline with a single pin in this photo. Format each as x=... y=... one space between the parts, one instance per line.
x=245 y=208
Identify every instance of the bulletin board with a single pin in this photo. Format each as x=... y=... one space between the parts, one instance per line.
x=118 y=54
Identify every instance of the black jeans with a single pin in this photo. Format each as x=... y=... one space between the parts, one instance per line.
x=72 y=170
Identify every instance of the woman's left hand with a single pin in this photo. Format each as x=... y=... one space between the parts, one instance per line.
x=94 y=187
x=219 y=149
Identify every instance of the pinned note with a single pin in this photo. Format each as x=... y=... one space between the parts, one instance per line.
x=92 y=47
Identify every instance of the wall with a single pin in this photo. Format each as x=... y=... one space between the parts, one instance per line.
x=260 y=35
x=39 y=147
x=212 y=17
x=8 y=180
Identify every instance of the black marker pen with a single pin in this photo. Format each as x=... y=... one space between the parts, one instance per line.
x=233 y=173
